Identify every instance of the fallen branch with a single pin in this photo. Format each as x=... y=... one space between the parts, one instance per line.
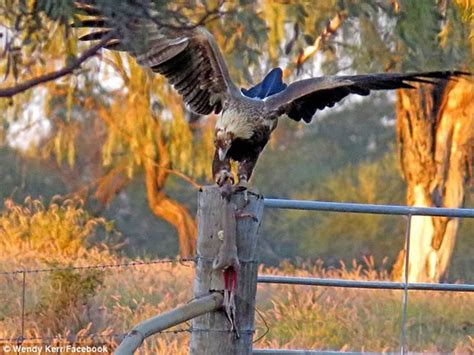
x=196 y=308
x=69 y=69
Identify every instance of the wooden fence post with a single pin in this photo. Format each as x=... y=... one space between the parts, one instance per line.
x=211 y=333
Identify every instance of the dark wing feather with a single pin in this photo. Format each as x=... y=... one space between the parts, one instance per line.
x=303 y=98
x=188 y=57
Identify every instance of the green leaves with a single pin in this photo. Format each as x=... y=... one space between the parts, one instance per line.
x=56 y=10
x=413 y=35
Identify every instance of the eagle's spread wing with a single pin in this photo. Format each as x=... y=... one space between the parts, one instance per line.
x=301 y=99
x=188 y=57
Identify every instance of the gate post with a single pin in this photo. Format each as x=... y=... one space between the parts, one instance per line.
x=211 y=333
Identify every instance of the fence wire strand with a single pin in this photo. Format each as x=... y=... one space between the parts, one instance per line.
x=78 y=338
x=23 y=297
x=99 y=266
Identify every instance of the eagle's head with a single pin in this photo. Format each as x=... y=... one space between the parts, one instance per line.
x=223 y=141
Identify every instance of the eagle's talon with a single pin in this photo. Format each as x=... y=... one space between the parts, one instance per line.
x=243 y=184
x=243 y=187
x=224 y=177
x=246 y=197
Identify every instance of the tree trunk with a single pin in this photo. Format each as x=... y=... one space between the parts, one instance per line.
x=173 y=213
x=435 y=132
x=156 y=163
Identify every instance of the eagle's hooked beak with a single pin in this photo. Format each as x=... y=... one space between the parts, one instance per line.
x=223 y=152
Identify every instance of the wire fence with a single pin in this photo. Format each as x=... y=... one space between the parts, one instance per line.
x=405 y=286
x=75 y=338
x=97 y=266
x=78 y=338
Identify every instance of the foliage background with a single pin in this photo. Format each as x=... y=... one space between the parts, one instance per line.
x=88 y=137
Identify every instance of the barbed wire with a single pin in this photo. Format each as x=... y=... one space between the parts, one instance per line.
x=21 y=338
x=70 y=338
x=99 y=266
x=75 y=338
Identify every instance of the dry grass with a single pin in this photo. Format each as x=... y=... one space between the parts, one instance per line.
x=111 y=301
x=362 y=320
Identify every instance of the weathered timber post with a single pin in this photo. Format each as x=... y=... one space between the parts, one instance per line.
x=211 y=332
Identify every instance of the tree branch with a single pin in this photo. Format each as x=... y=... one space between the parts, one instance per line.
x=69 y=69
x=127 y=136
x=333 y=25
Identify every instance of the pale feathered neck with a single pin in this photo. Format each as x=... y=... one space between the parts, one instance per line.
x=231 y=121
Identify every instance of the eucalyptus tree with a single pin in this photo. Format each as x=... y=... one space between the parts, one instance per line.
x=435 y=124
x=435 y=132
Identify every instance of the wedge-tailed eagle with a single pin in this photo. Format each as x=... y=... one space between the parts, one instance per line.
x=190 y=59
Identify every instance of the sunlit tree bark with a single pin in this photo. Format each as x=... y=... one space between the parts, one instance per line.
x=154 y=157
x=435 y=131
x=156 y=165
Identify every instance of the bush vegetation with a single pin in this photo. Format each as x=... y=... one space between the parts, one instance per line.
x=111 y=300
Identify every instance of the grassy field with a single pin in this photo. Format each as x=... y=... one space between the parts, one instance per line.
x=110 y=301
